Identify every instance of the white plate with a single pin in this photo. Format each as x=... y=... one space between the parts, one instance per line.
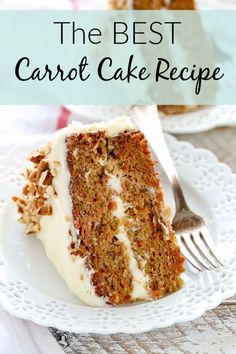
x=30 y=288
x=203 y=119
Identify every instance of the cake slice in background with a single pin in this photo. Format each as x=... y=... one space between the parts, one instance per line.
x=137 y=4
x=95 y=201
x=159 y=5
x=152 y=4
x=181 y=4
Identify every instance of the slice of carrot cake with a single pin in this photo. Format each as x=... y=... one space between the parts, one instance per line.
x=152 y=4
x=159 y=5
x=95 y=201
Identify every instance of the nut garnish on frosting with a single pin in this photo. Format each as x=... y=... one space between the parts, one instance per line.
x=33 y=202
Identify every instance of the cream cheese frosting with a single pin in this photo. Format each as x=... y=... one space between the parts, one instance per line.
x=54 y=233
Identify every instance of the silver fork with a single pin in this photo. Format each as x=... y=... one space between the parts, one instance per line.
x=192 y=234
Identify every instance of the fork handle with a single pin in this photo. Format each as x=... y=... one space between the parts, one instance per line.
x=147 y=120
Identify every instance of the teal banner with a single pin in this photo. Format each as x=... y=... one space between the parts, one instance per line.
x=118 y=57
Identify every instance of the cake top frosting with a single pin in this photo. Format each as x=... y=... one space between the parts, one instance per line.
x=112 y=128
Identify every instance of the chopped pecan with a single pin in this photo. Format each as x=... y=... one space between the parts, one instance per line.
x=32 y=175
x=32 y=228
x=15 y=198
x=45 y=178
x=32 y=203
x=45 y=210
x=40 y=154
x=25 y=189
x=40 y=191
x=43 y=166
x=19 y=201
x=36 y=157
x=32 y=188
x=20 y=209
x=39 y=203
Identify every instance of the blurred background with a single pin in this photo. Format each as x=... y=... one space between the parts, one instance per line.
x=21 y=123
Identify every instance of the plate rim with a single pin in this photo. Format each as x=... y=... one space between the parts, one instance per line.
x=202 y=127
x=166 y=119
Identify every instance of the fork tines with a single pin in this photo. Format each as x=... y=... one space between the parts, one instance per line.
x=198 y=248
